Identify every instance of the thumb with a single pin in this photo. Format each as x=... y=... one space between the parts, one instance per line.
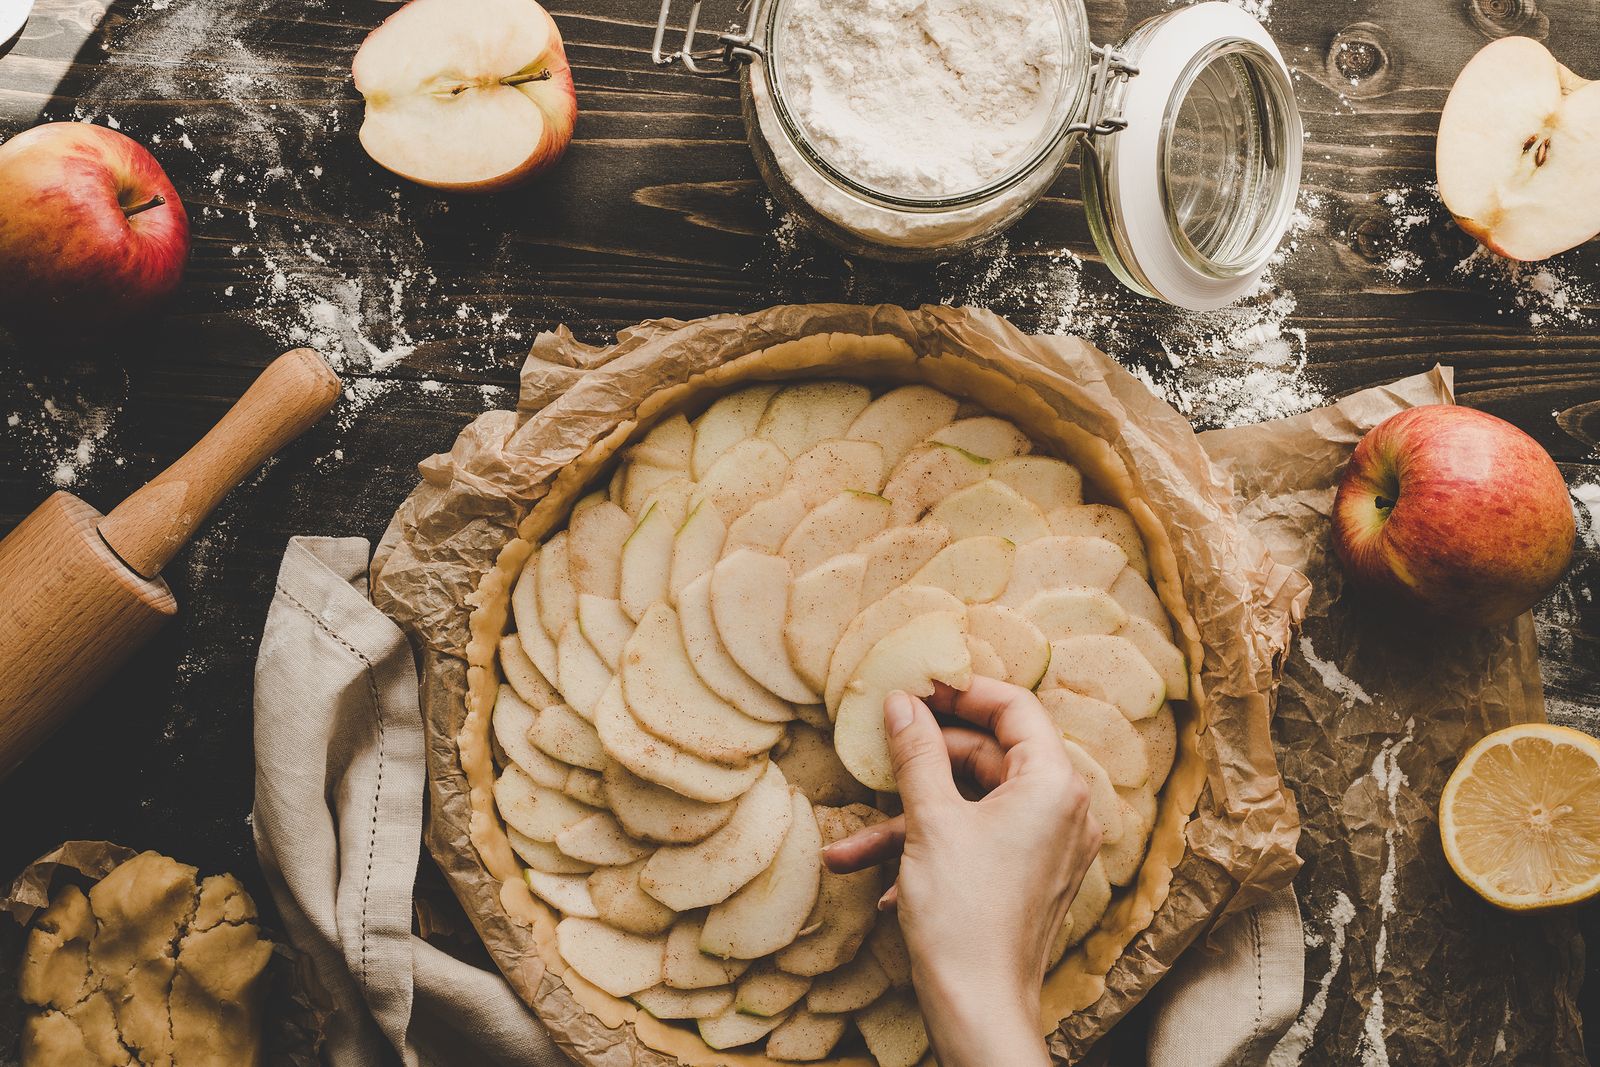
x=917 y=751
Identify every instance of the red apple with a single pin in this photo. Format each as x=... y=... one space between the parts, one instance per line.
x=1455 y=511
x=469 y=95
x=92 y=233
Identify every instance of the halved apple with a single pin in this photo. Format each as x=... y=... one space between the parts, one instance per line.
x=875 y=622
x=544 y=856
x=1103 y=520
x=990 y=509
x=567 y=893
x=615 y=960
x=664 y=1002
x=806 y=1037
x=1519 y=151
x=848 y=988
x=512 y=721
x=926 y=476
x=768 y=913
x=894 y=1031
x=1048 y=482
x=618 y=901
x=580 y=672
x=468 y=95
x=523 y=674
x=1062 y=613
x=846 y=908
x=655 y=813
x=897 y=553
x=712 y=663
x=833 y=528
x=684 y=877
x=729 y=420
x=768 y=523
x=801 y=416
x=974 y=569
x=1107 y=668
x=748 y=472
x=1103 y=731
x=605 y=626
x=686 y=967
x=533 y=810
x=833 y=466
x=901 y=419
x=1161 y=653
x=563 y=734
x=1139 y=600
x=666 y=696
x=652 y=759
x=985 y=436
x=749 y=604
x=1063 y=563
x=1024 y=652
x=822 y=601
x=811 y=765
x=696 y=547
x=930 y=648
x=558 y=598
x=765 y=990
x=599 y=839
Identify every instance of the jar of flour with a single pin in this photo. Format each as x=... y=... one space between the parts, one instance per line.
x=908 y=129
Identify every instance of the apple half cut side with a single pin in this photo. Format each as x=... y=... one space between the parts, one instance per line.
x=467 y=95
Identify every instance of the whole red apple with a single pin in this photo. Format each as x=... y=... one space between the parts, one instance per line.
x=1455 y=511
x=92 y=233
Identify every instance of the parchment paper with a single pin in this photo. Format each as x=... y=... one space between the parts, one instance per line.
x=1405 y=964
x=446 y=535
x=295 y=1009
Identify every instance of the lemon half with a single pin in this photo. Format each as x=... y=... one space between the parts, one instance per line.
x=1520 y=817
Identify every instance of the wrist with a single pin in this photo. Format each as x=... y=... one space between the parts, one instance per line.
x=979 y=1020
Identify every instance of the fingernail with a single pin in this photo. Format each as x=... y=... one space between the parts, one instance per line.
x=883 y=901
x=897 y=711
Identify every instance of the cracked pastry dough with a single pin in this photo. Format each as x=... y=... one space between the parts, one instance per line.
x=150 y=968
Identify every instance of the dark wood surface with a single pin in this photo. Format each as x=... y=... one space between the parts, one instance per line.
x=656 y=211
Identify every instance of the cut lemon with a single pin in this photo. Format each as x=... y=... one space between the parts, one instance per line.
x=1520 y=817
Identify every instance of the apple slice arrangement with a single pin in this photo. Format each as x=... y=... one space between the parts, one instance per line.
x=694 y=689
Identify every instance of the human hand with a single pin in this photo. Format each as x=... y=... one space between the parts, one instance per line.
x=983 y=886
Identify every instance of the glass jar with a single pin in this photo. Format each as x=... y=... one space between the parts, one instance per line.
x=1192 y=145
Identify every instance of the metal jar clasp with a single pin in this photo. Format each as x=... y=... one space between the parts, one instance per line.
x=733 y=47
x=1110 y=69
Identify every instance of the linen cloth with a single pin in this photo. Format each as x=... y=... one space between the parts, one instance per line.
x=338 y=827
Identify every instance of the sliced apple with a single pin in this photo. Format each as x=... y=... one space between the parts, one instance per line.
x=897 y=553
x=684 y=877
x=533 y=810
x=990 y=508
x=594 y=550
x=580 y=672
x=473 y=101
x=665 y=694
x=670 y=444
x=769 y=912
x=765 y=990
x=974 y=569
x=833 y=528
x=1048 y=482
x=748 y=472
x=1062 y=563
x=986 y=662
x=605 y=625
x=749 y=604
x=643 y=482
x=806 y=1037
x=664 y=1002
x=1123 y=858
x=893 y=1029
x=558 y=598
x=768 y=523
x=584 y=786
x=525 y=677
x=888 y=946
x=619 y=902
x=849 y=988
x=986 y=436
x=931 y=648
x=1024 y=652
x=729 y=420
x=733 y=1028
x=543 y=856
x=875 y=622
x=832 y=467
x=539 y=646
x=618 y=962
x=926 y=476
x=712 y=663
x=1104 y=804
x=1161 y=653
x=696 y=547
x=567 y=893
x=646 y=568
x=1139 y=600
x=802 y=416
x=1107 y=668
x=512 y=722
x=565 y=735
x=846 y=908
x=901 y=419
x=653 y=760
x=686 y=967
x=822 y=601
x=1518 y=158
x=1062 y=613
x=1160 y=735
x=1085 y=912
x=812 y=766
x=656 y=813
x=599 y=839
x=1103 y=731
x=1103 y=520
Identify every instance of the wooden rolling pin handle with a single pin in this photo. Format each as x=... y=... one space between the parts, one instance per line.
x=147 y=529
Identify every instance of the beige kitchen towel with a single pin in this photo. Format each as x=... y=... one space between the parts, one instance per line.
x=338 y=827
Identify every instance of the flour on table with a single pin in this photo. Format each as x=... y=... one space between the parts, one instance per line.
x=1296 y=1041
x=1335 y=680
x=1389 y=778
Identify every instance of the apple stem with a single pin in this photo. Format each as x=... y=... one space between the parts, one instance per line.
x=154 y=201
x=514 y=79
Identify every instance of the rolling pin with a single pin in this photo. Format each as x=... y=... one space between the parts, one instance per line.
x=81 y=591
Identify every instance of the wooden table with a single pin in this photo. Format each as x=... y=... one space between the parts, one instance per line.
x=428 y=302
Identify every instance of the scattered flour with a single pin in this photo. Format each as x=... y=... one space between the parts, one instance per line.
x=1336 y=681
x=1388 y=777
x=1587 y=496
x=1296 y=1041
